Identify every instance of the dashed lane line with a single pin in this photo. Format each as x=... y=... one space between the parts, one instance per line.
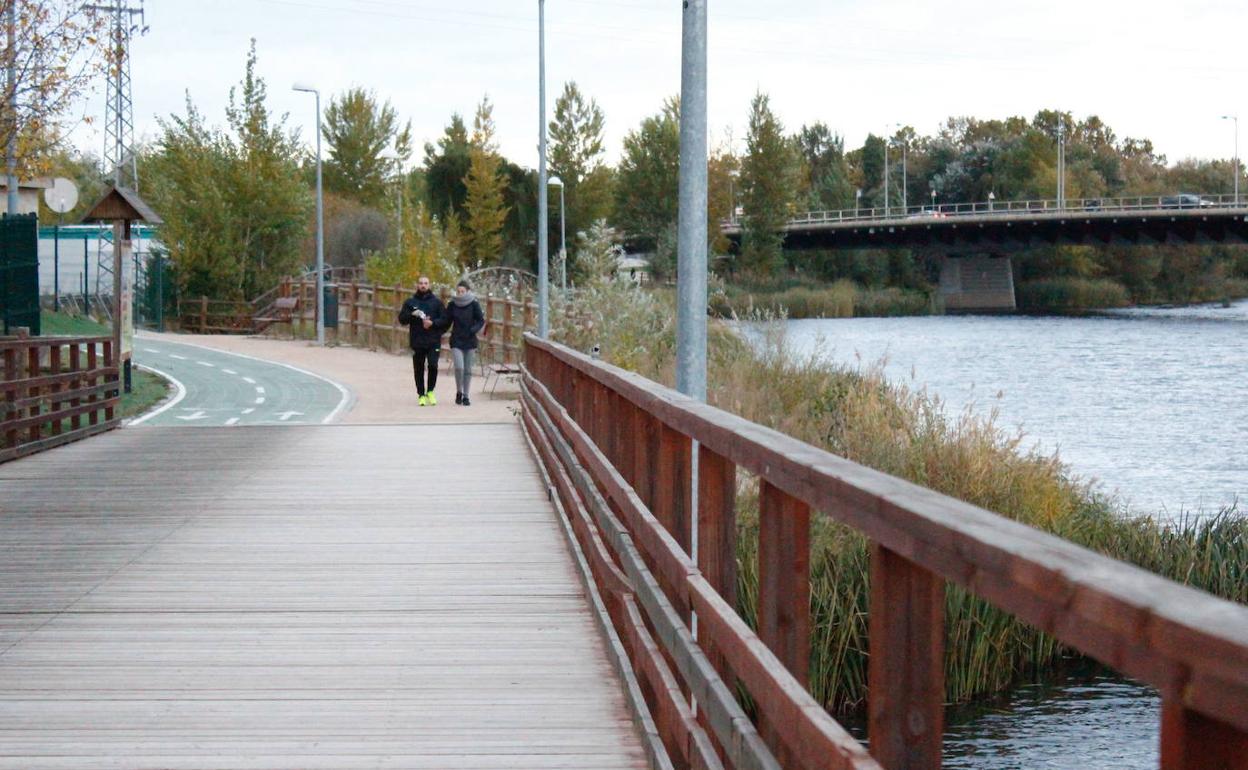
x=205 y=363
x=180 y=358
x=260 y=400
x=232 y=421
x=229 y=371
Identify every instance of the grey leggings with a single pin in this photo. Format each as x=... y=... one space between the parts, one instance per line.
x=463 y=369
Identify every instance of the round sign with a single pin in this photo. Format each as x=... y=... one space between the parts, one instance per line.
x=62 y=196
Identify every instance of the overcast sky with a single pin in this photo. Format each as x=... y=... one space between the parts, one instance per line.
x=1161 y=70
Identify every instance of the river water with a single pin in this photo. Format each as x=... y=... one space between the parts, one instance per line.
x=1152 y=404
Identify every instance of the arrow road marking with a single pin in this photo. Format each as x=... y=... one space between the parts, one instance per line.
x=284 y=416
x=198 y=415
x=231 y=421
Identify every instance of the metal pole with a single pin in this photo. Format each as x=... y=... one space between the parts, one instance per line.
x=1061 y=164
x=11 y=145
x=56 y=266
x=905 y=199
x=543 y=247
x=563 y=242
x=86 y=276
x=691 y=278
x=160 y=292
x=320 y=233
x=886 y=175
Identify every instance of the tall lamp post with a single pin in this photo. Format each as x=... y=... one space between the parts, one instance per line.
x=1235 y=119
x=857 y=201
x=1061 y=164
x=886 y=174
x=320 y=220
x=543 y=247
x=392 y=156
x=555 y=181
x=691 y=266
x=905 y=198
x=933 y=200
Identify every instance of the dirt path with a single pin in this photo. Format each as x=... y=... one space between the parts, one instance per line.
x=381 y=383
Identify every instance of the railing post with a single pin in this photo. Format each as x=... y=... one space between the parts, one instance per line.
x=673 y=483
x=32 y=391
x=717 y=536
x=111 y=361
x=75 y=350
x=1193 y=741
x=374 y=312
x=203 y=314
x=10 y=375
x=507 y=335
x=54 y=364
x=906 y=679
x=784 y=578
x=93 y=379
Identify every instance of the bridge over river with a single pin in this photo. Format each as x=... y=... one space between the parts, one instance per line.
x=973 y=238
x=506 y=594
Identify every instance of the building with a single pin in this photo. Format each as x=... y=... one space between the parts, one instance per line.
x=28 y=193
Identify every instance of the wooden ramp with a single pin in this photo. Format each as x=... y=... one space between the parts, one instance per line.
x=304 y=597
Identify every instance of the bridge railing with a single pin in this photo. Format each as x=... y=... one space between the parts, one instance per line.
x=54 y=390
x=619 y=448
x=1161 y=203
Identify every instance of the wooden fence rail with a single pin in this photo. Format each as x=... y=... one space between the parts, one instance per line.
x=55 y=390
x=619 y=449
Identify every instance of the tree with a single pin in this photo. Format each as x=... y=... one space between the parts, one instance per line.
x=576 y=157
x=426 y=251
x=358 y=130
x=484 y=210
x=648 y=178
x=824 y=167
x=446 y=168
x=59 y=48
x=769 y=181
x=235 y=206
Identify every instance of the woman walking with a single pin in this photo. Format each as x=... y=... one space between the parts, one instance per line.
x=466 y=320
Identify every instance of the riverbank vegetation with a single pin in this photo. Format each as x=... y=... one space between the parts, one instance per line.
x=858 y=414
x=805 y=299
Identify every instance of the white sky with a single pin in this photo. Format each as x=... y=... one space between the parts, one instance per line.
x=1162 y=70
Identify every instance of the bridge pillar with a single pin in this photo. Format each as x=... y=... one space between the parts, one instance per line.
x=977 y=283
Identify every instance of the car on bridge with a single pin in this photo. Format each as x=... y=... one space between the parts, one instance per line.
x=927 y=214
x=1186 y=201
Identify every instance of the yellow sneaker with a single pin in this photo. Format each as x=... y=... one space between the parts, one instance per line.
x=433 y=400
x=424 y=401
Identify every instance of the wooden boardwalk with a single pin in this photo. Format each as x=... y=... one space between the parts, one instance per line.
x=304 y=597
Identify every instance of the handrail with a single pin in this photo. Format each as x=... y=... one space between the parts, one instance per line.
x=1189 y=645
x=1187 y=203
x=54 y=390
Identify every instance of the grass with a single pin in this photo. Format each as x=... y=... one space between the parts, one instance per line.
x=858 y=414
x=146 y=391
x=842 y=299
x=66 y=325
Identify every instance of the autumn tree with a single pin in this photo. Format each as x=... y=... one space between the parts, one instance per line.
x=648 y=177
x=769 y=181
x=358 y=130
x=484 y=210
x=576 y=157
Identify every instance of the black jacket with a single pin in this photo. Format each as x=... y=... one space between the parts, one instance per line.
x=466 y=322
x=417 y=335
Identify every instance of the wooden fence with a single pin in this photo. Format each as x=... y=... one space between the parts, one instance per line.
x=55 y=390
x=618 y=449
x=368 y=316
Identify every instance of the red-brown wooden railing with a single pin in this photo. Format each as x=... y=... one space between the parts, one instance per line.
x=54 y=390
x=618 y=448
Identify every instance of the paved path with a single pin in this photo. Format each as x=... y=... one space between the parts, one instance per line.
x=380 y=383
x=216 y=388
x=310 y=598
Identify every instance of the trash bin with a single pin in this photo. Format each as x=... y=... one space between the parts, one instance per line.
x=331 y=306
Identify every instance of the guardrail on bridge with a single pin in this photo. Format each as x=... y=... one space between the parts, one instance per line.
x=619 y=449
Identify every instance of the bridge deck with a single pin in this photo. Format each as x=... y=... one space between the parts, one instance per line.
x=304 y=597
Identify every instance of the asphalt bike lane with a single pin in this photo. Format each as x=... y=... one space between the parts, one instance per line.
x=214 y=388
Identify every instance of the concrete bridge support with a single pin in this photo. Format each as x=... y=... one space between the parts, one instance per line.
x=979 y=283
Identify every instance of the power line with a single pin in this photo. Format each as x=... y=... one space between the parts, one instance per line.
x=119 y=157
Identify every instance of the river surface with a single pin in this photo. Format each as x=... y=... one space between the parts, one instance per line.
x=1152 y=404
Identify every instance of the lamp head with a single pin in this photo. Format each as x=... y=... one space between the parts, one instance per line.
x=554 y=181
x=301 y=86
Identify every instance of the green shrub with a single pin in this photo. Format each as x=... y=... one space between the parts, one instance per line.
x=1071 y=295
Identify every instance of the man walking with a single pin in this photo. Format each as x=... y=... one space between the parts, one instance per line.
x=425 y=318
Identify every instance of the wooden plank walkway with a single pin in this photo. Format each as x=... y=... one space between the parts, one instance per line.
x=307 y=597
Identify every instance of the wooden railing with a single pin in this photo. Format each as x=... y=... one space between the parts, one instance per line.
x=201 y=315
x=619 y=448
x=55 y=390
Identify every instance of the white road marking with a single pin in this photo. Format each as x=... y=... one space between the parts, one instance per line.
x=284 y=416
x=249 y=410
x=231 y=421
x=260 y=400
x=179 y=394
x=260 y=390
x=180 y=358
x=205 y=363
x=347 y=397
x=198 y=415
x=150 y=350
x=249 y=381
x=229 y=371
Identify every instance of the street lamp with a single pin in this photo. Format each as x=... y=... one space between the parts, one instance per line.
x=555 y=181
x=857 y=201
x=1061 y=163
x=991 y=197
x=1235 y=118
x=543 y=247
x=905 y=198
x=733 y=175
x=933 y=199
x=886 y=173
x=320 y=220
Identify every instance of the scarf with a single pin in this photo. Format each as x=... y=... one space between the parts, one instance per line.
x=464 y=300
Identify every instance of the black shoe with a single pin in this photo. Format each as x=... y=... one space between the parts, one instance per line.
x=459 y=398
x=466 y=402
